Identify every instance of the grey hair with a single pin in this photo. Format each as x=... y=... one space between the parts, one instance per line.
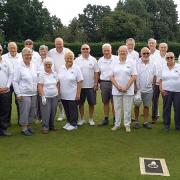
x=123 y=47
x=106 y=45
x=69 y=53
x=152 y=39
x=12 y=43
x=131 y=40
x=26 y=50
x=43 y=47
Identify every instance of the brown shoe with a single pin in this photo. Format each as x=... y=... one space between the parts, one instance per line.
x=45 y=131
x=154 y=121
x=53 y=129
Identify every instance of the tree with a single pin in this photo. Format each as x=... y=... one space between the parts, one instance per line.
x=91 y=20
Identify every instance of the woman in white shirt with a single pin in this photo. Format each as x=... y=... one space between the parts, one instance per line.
x=25 y=87
x=170 y=90
x=70 y=78
x=48 y=90
x=123 y=76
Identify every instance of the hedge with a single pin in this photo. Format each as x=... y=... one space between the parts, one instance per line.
x=96 y=48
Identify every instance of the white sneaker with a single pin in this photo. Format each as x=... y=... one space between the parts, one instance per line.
x=66 y=125
x=128 y=129
x=91 y=122
x=115 y=128
x=70 y=128
x=81 y=122
x=60 y=119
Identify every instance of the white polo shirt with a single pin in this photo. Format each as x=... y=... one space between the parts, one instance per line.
x=171 y=78
x=15 y=61
x=58 y=58
x=122 y=72
x=145 y=76
x=68 y=81
x=6 y=73
x=134 y=55
x=25 y=80
x=104 y=67
x=49 y=82
x=88 y=67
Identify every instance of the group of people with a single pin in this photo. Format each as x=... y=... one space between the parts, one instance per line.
x=44 y=81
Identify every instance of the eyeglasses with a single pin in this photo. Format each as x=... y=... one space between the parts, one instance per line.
x=28 y=43
x=170 y=57
x=85 y=49
x=145 y=53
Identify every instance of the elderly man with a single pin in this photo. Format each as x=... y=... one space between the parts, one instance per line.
x=123 y=75
x=132 y=54
x=146 y=74
x=14 y=58
x=6 y=73
x=105 y=84
x=90 y=70
x=57 y=54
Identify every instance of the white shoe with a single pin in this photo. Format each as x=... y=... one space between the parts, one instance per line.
x=128 y=129
x=70 y=128
x=81 y=122
x=115 y=128
x=91 y=122
x=66 y=125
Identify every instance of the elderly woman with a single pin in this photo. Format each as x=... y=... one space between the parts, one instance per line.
x=123 y=76
x=170 y=90
x=6 y=72
x=146 y=78
x=48 y=90
x=25 y=87
x=43 y=52
x=70 y=78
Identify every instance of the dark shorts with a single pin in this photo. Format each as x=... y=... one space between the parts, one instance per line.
x=106 y=91
x=88 y=93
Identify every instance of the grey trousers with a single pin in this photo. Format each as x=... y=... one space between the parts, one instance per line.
x=27 y=108
x=168 y=100
x=48 y=112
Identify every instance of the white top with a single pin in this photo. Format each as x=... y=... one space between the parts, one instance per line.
x=145 y=76
x=171 y=78
x=40 y=65
x=25 y=80
x=58 y=58
x=15 y=61
x=88 y=68
x=6 y=73
x=134 y=55
x=49 y=82
x=104 y=67
x=122 y=72
x=179 y=59
x=68 y=81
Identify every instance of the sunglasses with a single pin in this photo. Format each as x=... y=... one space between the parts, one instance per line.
x=171 y=57
x=145 y=53
x=85 y=49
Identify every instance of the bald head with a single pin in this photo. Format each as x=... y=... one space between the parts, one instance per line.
x=59 y=44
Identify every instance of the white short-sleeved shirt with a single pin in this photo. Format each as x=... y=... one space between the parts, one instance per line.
x=171 y=78
x=25 y=80
x=104 y=67
x=49 y=82
x=122 y=72
x=68 y=79
x=88 y=68
x=134 y=55
x=6 y=73
x=145 y=76
x=58 y=58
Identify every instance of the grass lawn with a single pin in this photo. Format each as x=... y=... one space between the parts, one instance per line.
x=89 y=153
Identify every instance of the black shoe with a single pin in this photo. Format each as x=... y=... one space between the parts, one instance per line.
x=5 y=133
x=104 y=122
x=26 y=133
x=31 y=130
x=147 y=125
x=136 y=125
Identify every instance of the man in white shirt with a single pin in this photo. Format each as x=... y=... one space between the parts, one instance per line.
x=105 y=84
x=146 y=74
x=6 y=73
x=57 y=55
x=89 y=67
x=132 y=54
x=14 y=58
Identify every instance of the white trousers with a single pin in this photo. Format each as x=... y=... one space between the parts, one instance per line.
x=122 y=102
